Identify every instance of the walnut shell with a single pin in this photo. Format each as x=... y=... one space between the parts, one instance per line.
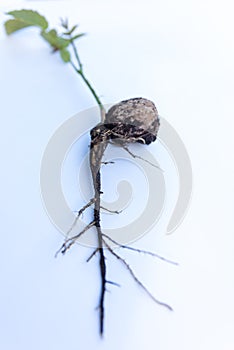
x=138 y=112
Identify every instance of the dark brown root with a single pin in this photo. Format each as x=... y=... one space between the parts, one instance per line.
x=92 y=255
x=139 y=157
x=116 y=126
x=79 y=213
x=140 y=250
x=113 y=283
x=102 y=265
x=111 y=211
x=136 y=279
x=109 y=162
x=70 y=241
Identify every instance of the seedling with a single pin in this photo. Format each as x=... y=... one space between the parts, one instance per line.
x=132 y=121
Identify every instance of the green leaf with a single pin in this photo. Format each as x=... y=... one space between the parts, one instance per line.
x=65 y=55
x=30 y=17
x=12 y=25
x=69 y=32
x=54 y=40
x=77 y=36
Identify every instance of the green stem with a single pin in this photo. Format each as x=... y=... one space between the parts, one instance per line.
x=81 y=73
x=77 y=55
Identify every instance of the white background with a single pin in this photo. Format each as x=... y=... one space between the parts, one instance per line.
x=180 y=54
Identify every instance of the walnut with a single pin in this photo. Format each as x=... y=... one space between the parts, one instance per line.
x=135 y=120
